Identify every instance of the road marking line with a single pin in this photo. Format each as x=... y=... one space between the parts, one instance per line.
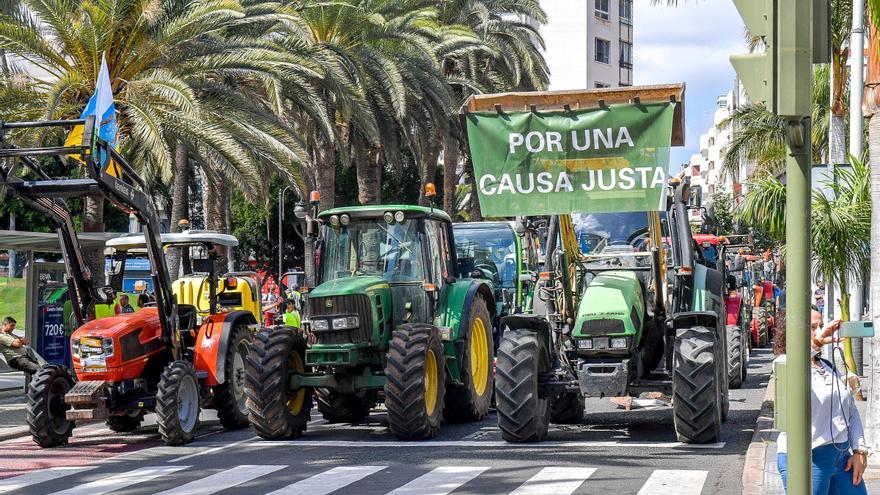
x=440 y=481
x=223 y=480
x=493 y=444
x=212 y=450
x=119 y=481
x=556 y=480
x=329 y=481
x=674 y=482
x=34 y=477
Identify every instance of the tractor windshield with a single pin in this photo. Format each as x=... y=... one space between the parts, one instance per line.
x=611 y=232
x=373 y=248
x=490 y=249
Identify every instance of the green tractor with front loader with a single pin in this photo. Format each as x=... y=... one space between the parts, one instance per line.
x=388 y=318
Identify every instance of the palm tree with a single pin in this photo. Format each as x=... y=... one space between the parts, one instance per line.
x=840 y=225
x=841 y=19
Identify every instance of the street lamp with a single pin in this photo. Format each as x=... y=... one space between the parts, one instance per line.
x=280 y=231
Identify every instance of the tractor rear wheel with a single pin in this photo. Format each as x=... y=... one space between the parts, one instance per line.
x=696 y=394
x=567 y=408
x=523 y=415
x=735 y=355
x=229 y=397
x=178 y=403
x=274 y=410
x=46 y=409
x=415 y=381
x=344 y=408
x=470 y=401
x=759 y=315
x=125 y=423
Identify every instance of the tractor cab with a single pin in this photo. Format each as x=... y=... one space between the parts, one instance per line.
x=200 y=283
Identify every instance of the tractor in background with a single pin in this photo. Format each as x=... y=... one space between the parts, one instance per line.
x=164 y=358
x=391 y=320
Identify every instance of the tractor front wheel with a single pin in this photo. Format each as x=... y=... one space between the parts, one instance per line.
x=344 y=408
x=46 y=409
x=759 y=315
x=697 y=404
x=275 y=411
x=177 y=403
x=523 y=415
x=470 y=401
x=230 y=398
x=415 y=382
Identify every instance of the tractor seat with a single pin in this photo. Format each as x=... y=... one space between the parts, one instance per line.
x=187 y=315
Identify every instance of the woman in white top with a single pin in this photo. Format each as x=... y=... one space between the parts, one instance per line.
x=840 y=454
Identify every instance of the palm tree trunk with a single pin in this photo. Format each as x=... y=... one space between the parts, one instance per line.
x=93 y=221
x=325 y=171
x=836 y=140
x=179 y=206
x=474 y=204
x=450 y=165
x=368 y=165
x=428 y=168
x=871 y=107
x=213 y=195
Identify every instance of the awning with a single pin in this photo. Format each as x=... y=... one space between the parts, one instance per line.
x=17 y=240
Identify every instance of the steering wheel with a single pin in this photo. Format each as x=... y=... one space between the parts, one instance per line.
x=491 y=270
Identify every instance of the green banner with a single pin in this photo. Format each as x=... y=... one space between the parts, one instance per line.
x=600 y=160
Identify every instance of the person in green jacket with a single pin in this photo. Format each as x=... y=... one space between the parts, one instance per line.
x=292 y=317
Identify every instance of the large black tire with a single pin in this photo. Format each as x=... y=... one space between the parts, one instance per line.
x=178 y=403
x=736 y=352
x=230 y=398
x=760 y=316
x=274 y=411
x=415 y=382
x=567 y=408
x=470 y=401
x=697 y=404
x=46 y=409
x=125 y=423
x=344 y=408
x=746 y=342
x=523 y=415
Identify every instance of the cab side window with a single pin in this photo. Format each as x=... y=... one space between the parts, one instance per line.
x=438 y=254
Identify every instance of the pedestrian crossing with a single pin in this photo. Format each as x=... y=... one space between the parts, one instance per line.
x=557 y=480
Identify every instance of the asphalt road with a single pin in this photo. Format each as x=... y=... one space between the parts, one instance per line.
x=613 y=452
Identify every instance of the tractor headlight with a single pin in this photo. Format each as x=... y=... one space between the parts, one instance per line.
x=107 y=346
x=585 y=343
x=334 y=221
x=618 y=343
x=320 y=325
x=345 y=322
x=344 y=219
x=398 y=217
x=388 y=217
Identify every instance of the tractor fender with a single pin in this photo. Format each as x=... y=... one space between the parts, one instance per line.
x=688 y=319
x=212 y=343
x=536 y=324
x=477 y=287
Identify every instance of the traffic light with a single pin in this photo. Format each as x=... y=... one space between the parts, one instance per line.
x=757 y=70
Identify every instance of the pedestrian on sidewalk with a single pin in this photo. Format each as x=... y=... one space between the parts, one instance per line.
x=14 y=349
x=840 y=453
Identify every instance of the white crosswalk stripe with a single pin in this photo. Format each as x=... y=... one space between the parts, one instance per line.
x=18 y=482
x=556 y=480
x=440 y=481
x=674 y=482
x=223 y=480
x=123 y=480
x=329 y=481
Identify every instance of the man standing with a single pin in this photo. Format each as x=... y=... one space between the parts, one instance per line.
x=14 y=350
x=125 y=305
x=819 y=298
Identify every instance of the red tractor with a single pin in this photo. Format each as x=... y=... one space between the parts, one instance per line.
x=168 y=358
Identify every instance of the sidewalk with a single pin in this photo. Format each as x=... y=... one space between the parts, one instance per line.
x=764 y=444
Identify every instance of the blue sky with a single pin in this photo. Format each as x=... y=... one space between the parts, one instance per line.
x=689 y=43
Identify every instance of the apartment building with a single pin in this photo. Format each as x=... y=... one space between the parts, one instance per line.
x=589 y=43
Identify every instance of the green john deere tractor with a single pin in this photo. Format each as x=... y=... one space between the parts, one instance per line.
x=618 y=316
x=387 y=318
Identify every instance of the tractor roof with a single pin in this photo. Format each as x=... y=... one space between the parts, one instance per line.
x=376 y=211
x=483 y=225
x=189 y=237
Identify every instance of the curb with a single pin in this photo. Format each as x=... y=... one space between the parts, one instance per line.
x=753 y=468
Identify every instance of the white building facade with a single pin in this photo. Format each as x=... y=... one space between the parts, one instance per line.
x=589 y=43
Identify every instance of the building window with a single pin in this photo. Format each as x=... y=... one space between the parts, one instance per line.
x=602 y=85
x=626 y=55
x=602 y=9
x=626 y=12
x=603 y=50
